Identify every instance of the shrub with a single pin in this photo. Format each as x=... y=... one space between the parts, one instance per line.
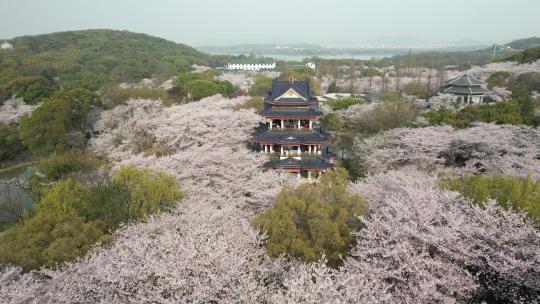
x=384 y=116
x=498 y=79
x=508 y=191
x=68 y=164
x=71 y=216
x=120 y=96
x=342 y=104
x=390 y=96
x=203 y=88
x=261 y=87
x=508 y=112
x=49 y=239
x=149 y=191
x=32 y=89
x=332 y=121
x=417 y=89
x=313 y=220
x=45 y=130
x=256 y=103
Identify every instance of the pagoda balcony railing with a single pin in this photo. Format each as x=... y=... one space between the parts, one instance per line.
x=289 y=129
x=293 y=154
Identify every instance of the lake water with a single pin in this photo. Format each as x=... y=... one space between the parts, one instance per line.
x=12 y=198
x=340 y=56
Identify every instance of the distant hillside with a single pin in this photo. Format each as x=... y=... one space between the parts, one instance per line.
x=94 y=58
x=527 y=56
x=526 y=43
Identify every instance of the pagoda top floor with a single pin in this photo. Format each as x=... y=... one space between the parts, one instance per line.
x=290 y=92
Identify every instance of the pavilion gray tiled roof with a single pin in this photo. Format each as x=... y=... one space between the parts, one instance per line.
x=304 y=163
x=465 y=90
x=464 y=85
x=464 y=80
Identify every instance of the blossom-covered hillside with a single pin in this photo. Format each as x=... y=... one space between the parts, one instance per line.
x=421 y=244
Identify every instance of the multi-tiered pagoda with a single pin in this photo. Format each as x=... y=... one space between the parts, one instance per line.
x=293 y=136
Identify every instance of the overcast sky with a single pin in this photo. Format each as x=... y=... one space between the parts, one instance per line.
x=223 y=22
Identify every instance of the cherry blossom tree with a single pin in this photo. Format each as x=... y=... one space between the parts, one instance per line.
x=420 y=245
x=492 y=148
x=14 y=109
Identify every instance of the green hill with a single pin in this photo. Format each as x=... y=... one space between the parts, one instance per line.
x=524 y=43
x=96 y=58
x=529 y=55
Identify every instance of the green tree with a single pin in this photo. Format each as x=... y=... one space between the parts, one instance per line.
x=344 y=103
x=80 y=101
x=332 y=121
x=390 y=96
x=508 y=191
x=149 y=191
x=384 y=116
x=332 y=88
x=203 y=88
x=261 y=87
x=32 y=89
x=256 y=103
x=417 y=89
x=498 y=79
x=49 y=238
x=370 y=72
x=10 y=143
x=45 y=130
x=313 y=220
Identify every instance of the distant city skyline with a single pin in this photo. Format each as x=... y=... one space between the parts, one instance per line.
x=219 y=23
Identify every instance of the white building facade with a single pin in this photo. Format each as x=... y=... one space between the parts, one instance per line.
x=6 y=46
x=251 y=66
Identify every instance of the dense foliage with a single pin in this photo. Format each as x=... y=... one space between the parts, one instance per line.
x=344 y=103
x=201 y=85
x=92 y=59
x=498 y=79
x=417 y=89
x=527 y=56
x=373 y=118
x=261 y=87
x=420 y=244
x=313 y=220
x=256 y=103
x=118 y=96
x=10 y=143
x=31 y=88
x=508 y=112
x=59 y=122
x=508 y=191
x=71 y=217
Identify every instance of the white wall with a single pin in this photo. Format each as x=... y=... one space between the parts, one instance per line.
x=251 y=66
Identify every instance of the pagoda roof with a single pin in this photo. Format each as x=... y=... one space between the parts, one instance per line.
x=313 y=163
x=464 y=80
x=458 y=90
x=280 y=87
x=290 y=112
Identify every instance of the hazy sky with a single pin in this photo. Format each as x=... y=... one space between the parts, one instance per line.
x=222 y=22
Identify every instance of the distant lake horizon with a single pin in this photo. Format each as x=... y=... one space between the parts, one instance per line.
x=340 y=56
